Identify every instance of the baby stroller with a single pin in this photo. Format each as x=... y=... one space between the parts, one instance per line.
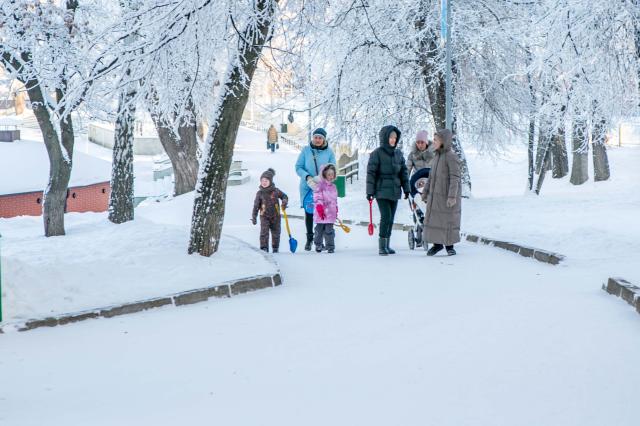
x=417 y=182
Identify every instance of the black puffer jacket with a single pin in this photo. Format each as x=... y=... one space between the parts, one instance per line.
x=387 y=174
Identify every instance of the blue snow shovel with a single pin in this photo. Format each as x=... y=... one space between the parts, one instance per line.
x=293 y=243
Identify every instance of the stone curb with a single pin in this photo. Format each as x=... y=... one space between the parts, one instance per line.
x=623 y=289
x=540 y=255
x=226 y=289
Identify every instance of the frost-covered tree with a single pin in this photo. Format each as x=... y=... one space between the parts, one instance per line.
x=121 y=208
x=209 y=205
x=47 y=46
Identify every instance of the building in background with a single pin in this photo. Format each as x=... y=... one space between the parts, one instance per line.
x=13 y=98
x=24 y=173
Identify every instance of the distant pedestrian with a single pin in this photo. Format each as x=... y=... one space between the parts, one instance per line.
x=325 y=199
x=267 y=205
x=443 y=197
x=272 y=138
x=311 y=159
x=387 y=178
x=420 y=156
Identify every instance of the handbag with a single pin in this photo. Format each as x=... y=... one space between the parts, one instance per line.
x=307 y=202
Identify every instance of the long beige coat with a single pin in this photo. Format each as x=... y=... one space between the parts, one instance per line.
x=442 y=223
x=272 y=134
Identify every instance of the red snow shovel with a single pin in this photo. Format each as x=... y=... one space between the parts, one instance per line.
x=370 y=228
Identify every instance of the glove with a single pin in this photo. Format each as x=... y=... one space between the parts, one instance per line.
x=369 y=197
x=451 y=202
x=320 y=210
x=254 y=221
x=284 y=205
x=406 y=195
x=312 y=183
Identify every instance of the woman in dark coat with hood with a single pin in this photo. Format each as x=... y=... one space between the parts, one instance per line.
x=387 y=178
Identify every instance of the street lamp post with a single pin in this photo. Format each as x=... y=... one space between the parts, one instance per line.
x=446 y=22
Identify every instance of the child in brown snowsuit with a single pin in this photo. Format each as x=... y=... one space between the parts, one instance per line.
x=267 y=204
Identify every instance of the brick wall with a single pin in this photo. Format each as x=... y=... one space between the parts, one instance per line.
x=25 y=204
x=90 y=198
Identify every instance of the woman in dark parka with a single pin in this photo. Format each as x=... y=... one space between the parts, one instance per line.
x=387 y=178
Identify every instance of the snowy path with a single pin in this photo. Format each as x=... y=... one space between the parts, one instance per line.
x=483 y=338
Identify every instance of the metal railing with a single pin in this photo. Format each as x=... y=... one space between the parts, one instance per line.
x=349 y=166
x=291 y=142
x=350 y=170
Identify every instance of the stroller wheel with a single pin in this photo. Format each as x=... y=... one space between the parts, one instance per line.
x=412 y=240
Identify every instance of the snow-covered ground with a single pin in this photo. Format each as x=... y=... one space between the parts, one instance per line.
x=482 y=338
x=596 y=225
x=100 y=264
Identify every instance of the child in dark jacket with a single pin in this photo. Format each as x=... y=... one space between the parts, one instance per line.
x=267 y=204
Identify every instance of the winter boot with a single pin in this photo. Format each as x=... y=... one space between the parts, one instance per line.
x=389 y=249
x=274 y=250
x=451 y=251
x=265 y=249
x=331 y=251
x=382 y=246
x=434 y=249
x=307 y=246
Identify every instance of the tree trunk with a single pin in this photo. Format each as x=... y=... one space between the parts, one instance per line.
x=121 y=207
x=532 y=125
x=464 y=167
x=636 y=24
x=531 y=150
x=59 y=146
x=580 y=149
x=182 y=150
x=60 y=161
x=559 y=156
x=434 y=80
x=209 y=204
x=600 y=158
x=543 y=154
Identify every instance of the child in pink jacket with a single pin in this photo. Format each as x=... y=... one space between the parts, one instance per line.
x=325 y=199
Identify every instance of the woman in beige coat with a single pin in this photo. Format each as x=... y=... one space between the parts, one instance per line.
x=442 y=195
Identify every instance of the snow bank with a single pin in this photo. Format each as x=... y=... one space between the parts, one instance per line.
x=98 y=263
x=595 y=225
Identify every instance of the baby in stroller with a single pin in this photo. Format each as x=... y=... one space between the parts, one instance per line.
x=417 y=182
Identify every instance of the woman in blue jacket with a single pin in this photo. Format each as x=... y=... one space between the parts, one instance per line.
x=310 y=162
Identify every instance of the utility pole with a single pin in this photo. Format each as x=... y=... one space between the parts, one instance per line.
x=446 y=22
x=309 y=123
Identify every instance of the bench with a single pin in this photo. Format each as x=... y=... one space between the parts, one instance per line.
x=237 y=175
x=162 y=167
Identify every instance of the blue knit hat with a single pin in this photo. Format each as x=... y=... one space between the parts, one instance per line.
x=320 y=132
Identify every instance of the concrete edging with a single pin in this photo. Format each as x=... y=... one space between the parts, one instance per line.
x=623 y=289
x=540 y=255
x=225 y=289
